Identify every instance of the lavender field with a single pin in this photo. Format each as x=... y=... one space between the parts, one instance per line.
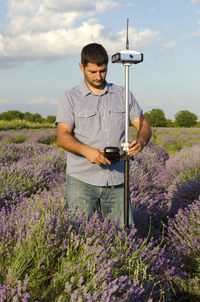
x=48 y=253
x=172 y=139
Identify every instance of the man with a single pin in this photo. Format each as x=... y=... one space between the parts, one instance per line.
x=91 y=117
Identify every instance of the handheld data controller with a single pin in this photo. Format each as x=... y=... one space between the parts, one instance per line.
x=112 y=154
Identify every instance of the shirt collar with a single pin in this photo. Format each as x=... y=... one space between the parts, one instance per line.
x=85 y=90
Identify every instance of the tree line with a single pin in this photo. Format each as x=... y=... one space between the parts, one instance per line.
x=183 y=118
x=156 y=118
x=27 y=116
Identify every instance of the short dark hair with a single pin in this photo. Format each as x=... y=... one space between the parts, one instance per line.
x=94 y=53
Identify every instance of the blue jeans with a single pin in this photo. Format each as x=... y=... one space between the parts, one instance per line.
x=89 y=199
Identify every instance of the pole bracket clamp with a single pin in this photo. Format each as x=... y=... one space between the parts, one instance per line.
x=125 y=146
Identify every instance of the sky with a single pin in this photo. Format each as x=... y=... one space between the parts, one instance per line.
x=41 y=41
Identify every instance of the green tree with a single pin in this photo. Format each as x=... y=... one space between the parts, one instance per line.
x=156 y=118
x=51 y=118
x=33 y=117
x=11 y=115
x=28 y=116
x=185 y=118
x=37 y=118
x=170 y=123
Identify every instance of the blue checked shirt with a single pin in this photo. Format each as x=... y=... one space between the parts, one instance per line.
x=97 y=121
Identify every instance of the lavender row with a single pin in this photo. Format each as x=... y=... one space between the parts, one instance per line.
x=160 y=185
x=45 y=136
x=165 y=197
x=184 y=235
x=26 y=169
x=51 y=253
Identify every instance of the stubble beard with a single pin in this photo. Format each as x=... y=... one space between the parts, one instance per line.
x=101 y=84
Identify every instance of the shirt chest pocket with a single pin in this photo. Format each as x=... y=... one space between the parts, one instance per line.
x=117 y=117
x=86 y=122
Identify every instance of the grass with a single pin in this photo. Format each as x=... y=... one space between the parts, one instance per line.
x=23 y=124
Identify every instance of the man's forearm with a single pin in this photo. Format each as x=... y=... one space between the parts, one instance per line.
x=93 y=155
x=144 y=133
x=70 y=144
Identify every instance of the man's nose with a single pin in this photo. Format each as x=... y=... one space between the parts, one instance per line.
x=99 y=76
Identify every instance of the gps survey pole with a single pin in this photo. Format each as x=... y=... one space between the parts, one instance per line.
x=125 y=146
x=127 y=57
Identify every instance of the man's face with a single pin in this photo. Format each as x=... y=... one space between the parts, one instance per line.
x=94 y=75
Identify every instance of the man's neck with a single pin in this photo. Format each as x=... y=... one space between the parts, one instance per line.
x=95 y=89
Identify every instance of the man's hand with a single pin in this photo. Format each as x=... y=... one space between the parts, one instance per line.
x=144 y=134
x=95 y=156
x=69 y=143
x=135 y=147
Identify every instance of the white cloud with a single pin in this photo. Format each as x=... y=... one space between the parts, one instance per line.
x=103 y=5
x=189 y=6
x=153 y=10
x=43 y=30
x=43 y=100
x=197 y=33
x=44 y=15
x=131 y=4
x=167 y=47
x=145 y=37
x=192 y=35
x=69 y=6
x=3 y=101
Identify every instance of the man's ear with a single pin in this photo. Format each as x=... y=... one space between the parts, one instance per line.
x=81 y=67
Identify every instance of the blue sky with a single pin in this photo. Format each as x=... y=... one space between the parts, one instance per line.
x=41 y=40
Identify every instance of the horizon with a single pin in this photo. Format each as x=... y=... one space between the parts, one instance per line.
x=172 y=120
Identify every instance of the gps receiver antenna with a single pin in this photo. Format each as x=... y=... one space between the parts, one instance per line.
x=127 y=41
